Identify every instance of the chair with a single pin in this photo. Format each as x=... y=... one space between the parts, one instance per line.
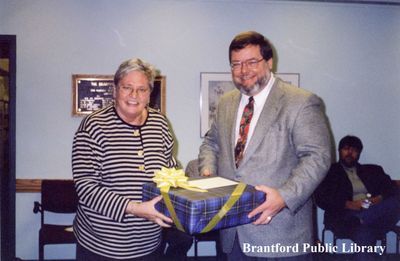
x=58 y=196
x=210 y=236
x=396 y=230
x=337 y=236
x=192 y=170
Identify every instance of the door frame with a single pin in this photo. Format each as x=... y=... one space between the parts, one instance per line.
x=7 y=182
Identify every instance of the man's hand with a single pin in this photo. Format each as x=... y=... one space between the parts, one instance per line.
x=206 y=173
x=376 y=200
x=147 y=210
x=271 y=206
x=353 y=205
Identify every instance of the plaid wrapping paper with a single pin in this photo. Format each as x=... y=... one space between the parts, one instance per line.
x=196 y=209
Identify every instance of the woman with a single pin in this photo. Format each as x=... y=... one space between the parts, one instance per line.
x=115 y=151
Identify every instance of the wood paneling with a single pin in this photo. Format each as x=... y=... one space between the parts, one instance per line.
x=28 y=185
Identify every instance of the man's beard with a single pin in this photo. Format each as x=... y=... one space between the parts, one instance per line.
x=349 y=162
x=254 y=89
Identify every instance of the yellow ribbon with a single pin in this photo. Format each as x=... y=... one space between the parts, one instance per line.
x=167 y=178
x=236 y=194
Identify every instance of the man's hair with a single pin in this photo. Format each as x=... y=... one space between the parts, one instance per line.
x=351 y=141
x=251 y=38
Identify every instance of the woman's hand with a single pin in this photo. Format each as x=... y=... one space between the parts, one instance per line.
x=147 y=210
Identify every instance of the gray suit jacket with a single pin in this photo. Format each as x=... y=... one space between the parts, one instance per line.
x=289 y=151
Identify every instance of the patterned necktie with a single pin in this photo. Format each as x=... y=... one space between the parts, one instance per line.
x=244 y=130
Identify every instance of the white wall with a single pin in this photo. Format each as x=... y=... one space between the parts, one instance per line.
x=346 y=53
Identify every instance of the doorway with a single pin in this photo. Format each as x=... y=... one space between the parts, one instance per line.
x=7 y=145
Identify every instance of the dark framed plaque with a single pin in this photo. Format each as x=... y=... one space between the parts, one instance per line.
x=92 y=92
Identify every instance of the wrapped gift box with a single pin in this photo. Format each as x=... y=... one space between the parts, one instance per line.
x=196 y=209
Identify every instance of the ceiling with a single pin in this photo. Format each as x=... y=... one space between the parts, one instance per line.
x=377 y=2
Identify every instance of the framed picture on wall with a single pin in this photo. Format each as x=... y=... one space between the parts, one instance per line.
x=158 y=95
x=92 y=92
x=214 y=84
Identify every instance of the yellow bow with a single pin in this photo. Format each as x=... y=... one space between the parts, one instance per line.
x=172 y=177
x=166 y=178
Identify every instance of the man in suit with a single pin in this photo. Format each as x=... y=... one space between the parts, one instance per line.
x=278 y=141
x=343 y=191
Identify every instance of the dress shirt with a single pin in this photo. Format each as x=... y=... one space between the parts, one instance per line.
x=259 y=101
x=359 y=189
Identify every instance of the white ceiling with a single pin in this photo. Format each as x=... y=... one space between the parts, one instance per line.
x=376 y=1
x=381 y=2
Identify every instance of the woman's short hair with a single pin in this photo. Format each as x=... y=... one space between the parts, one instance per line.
x=251 y=38
x=135 y=64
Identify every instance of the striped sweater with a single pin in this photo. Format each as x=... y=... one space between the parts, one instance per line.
x=111 y=160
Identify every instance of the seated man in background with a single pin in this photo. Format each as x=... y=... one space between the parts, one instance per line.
x=343 y=195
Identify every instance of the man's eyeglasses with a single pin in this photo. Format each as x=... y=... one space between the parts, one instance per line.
x=127 y=90
x=251 y=64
